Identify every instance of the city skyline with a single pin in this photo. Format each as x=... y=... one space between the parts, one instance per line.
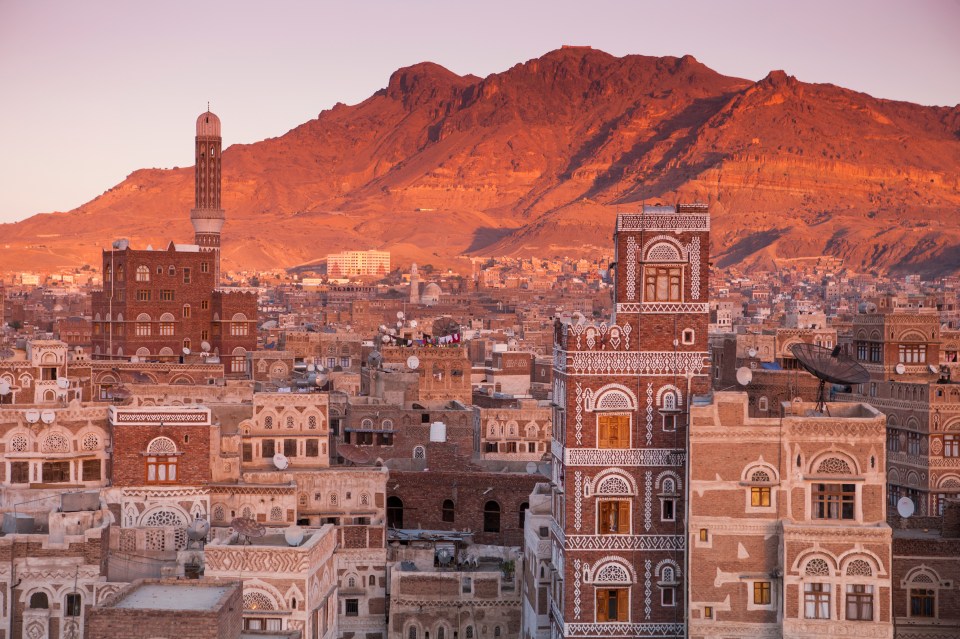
x=113 y=84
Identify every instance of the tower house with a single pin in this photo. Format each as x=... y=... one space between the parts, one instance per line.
x=622 y=391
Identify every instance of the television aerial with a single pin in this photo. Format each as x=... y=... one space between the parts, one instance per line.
x=829 y=366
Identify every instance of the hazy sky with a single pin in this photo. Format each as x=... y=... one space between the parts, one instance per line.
x=90 y=91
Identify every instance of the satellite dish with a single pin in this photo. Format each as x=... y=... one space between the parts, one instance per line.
x=293 y=535
x=63 y=383
x=744 y=375
x=383 y=328
x=384 y=338
x=32 y=416
x=531 y=468
x=829 y=366
x=752 y=352
x=413 y=323
x=900 y=369
x=205 y=346
x=311 y=367
x=578 y=318
x=48 y=416
x=374 y=359
x=905 y=507
x=280 y=461
x=248 y=527
x=400 y=315
x=413 y=362
x=4 y=387
x=186 y=351
x=134 y=359
x=198 y=529
x=933 y=369
x=399 y=323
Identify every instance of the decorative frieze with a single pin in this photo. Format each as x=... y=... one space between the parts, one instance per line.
x=623 y=457
x=637 y=362
x=625 y=542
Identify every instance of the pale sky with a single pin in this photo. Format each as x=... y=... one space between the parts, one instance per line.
x=91 y=91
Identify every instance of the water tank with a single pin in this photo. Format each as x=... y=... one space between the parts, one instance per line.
x=17 y=523
x=438 y=432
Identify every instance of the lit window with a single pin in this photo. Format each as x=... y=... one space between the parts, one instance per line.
x=143 y=274
x=761 y=593
x=662 y=284
x=612 y=605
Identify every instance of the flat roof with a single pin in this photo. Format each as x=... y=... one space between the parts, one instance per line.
x=174 y=597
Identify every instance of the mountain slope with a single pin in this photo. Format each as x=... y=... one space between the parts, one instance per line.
x=537 y=159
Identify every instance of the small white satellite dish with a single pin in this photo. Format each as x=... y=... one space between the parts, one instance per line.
x=280 y=461
x=186 y=351
x=413 y=362
x=392 y=330
x=134 y=359
x=32 y=416
x=205 y=346
x=400 y=315
x=63 y=383
x=578 y=318
x=900 y=369
x=293 y=535
x=311 y=367
x=752 y=352
x=531 y=468
x=384 y=338
x=744 y=375
x=413 y=323
x=932 y=368
x=4 y=387
x=905 y=507
x=383 y=328
x=399 y=323
x=48 y=416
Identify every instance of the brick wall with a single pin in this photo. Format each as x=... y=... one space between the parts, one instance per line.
x=129 y=464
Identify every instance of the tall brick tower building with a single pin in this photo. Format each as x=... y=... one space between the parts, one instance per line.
x=157 y=305
x=622 y=394
x=207 y=215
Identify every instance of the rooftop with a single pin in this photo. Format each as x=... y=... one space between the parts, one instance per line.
x=174 y=597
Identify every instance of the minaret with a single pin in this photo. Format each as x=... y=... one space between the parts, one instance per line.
x=207 y=215
x=414 y=285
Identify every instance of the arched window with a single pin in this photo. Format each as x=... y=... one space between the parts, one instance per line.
x=447 y=511
x=419 y=452
x=39 y=600
x=412 y=632
x=372 y=581
x=161 y=461
x=394 y=512
x=143 y=274
x=268 y=422
x=491 y=517
x=469 y=632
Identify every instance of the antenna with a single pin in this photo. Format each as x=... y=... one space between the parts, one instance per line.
x=829 y=366
x=248 y=528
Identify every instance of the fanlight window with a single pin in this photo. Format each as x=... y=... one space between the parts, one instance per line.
x=859 y=568
x=612 y=573
x=164 y=518
x=663 y=252
x=614 y=485
x=55 y=443
x=817 y=568
x=834 y=466
x=18 y=444
x=613 y=400
x=162 y=446
x=760 y=476
x=257 y=601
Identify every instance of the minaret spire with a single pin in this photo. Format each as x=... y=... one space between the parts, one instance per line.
x=207 y=215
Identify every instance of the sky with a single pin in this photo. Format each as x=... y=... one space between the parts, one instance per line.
x=91 y=91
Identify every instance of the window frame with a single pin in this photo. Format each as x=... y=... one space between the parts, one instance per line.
x=818 y=595
x=829 y=500
x=621 y=512
x=620 y=595
x=624 y=430
x=861 y=600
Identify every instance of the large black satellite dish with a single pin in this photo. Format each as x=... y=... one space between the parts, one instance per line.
x=829 y=366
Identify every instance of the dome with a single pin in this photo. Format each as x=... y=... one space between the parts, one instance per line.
x=431 y=294
x=208 y=125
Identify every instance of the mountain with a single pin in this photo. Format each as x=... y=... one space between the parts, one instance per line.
x=536 y=160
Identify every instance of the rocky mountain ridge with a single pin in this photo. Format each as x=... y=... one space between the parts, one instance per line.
x=536 y=160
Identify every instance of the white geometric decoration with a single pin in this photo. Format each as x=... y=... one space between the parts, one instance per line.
x=859 y=568
x=834 y=466
x=817 y=568
x=612 y=573
x=55 y=443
